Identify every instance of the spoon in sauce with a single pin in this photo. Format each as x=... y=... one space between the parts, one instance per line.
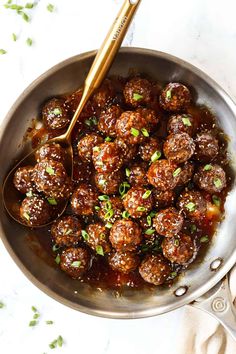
x=98 y=70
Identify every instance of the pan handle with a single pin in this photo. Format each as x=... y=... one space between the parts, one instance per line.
x=219 y=305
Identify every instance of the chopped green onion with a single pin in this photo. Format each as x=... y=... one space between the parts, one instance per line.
x=49 y=322
x=173 y=274
x=36 y=315
x=216 y=200
x=52 y=201
x=60 y=341
x=25 y=18
x=149 y=231
x=58 y=259
x=1 y=305
x=186 y=121
x=125 y=214
x=85 y=235
x=153 y=213
x=33 y=308
x=99 y=250
x=109 y=214
x=156 y=156
x=141 y=208
x=26 y=216
x=55 y=248
x=102 y=236
x=149 y=220
x=2 y=51
x=217 y=182
x=103 y=197
x=76 y=264
x=168 y=94
x=96 y=149
x=108 y=206
x=57 y=111
x=50 y=7
x=13 y=7
x=122 y=188
x=134 y=132
x=32 y=323
x=127 y=172
x=53 y=344
x=145 y=132
x=97 y=208
x=176 y=242
x=137 y=96
x=207 y=167
x=190 y=206
x=146 y=194
x=177 y=172
x=204 y=239
x=108 y=139
x=29 y=5
x=50 y=170
x=193 y=228
x=108 y=225
x=14 y=37
x=68 y=232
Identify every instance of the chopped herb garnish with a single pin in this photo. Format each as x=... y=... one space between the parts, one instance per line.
x=156 y=156
x=85 y=235
x=68 y=232
x=109 y=214
x=146 y=194
x=207 y=167
x=36 y=315
x=1 y=305
x=14 y=37
x=76 y=264
x=186 y=121
x=13 y=6
x=99 y=250
x=217 y=182
x=50 y=170
x=29 y=194
x=127 y=172
x=190 y=206
x=125 y=214
x=216 y=200
x=34 y=309
x=58 y=259
x=176 y=242
x=123 y=187
x=53 y=344
x=204 y=239
x=26 y=216
x=145 y=132
x=103 y=197
x=108 y=205
x=149 y=231
x=29 y=5
x=173 y=274
x=141 y=208
x=91 y=121
x=32 y=323
x=168 y=94
x=177 y=172
x=153 y=213
x=102 y=236
x=137 y=96
x=193 y=228
x=25 y=18
x=108 y=225
x=55 y=248
x=108 y=139
x=50 y=7
x=96 y=149
x=57 y=111
x=52 y=201
x=134 y=132
x=2 y=51
x=149 y=220
x=49 y=322
x=97 y=208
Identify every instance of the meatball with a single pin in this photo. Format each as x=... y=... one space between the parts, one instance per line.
x=181 y=123
x=161 y=175
x=50 y=177
x=193 y=204
x=83 y=200
x=132 y=127
x=168 y=222
x=207 y=147
x=178 y=249
x=107 y=120
x=103 y=94
x=75 y=262
x=50 y=152
x=138 y=201
x=98 y=238
x=124 y=262
x=35 y=211
x=154 y=269
x=129 y=152
x=107 y=157
x=86 y=144
x=185 y=173
x=137 y=92
x=178 y=147
x=150 y=117
x=210 y=178
x=163 y=199
x=66 y=231
x=148 y=148
x=108 y=183
x=125 y=235
x=175 y=97
x=111 y=210
x=23 y=179
x=55 y=115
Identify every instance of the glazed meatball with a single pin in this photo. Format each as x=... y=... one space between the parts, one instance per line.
x=23 y=179
x=108 y=183
x=163 y=199
x=107 y=157
x=50 y=152
x=154 y=269
x=150 y=117
x=178 y=147
x=50 y=177
x=132 y=127
x=138 y=201
x=86 y=144
x=137 y=174
x=72 y=102
x=207 y=147
x=193 y=204
x=168 y=222
x=107 y=120
x=181 y=123
x=148 y=148
x=138 y=92
x=124 y=262
x=103 y=94
x=111 y=210
x=66 y=231
x=125 y=235
x=55 y=115
x=35 y=211
x=83 y=200
x=178 y=249
x=185 y=173
x=175 y=97
x=98 y=238
x=75 y=262
x=210 y=178
x=129 y=152
x=161 y=175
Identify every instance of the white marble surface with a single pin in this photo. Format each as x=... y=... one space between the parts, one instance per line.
x=202 y=32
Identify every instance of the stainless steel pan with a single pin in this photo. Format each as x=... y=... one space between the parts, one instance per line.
x=34 y=261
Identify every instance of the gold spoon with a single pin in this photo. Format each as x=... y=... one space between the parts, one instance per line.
x=99 y=69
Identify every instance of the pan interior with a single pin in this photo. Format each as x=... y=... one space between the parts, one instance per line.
x=35 y=261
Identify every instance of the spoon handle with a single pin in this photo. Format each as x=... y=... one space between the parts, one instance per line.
x=105 y=56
